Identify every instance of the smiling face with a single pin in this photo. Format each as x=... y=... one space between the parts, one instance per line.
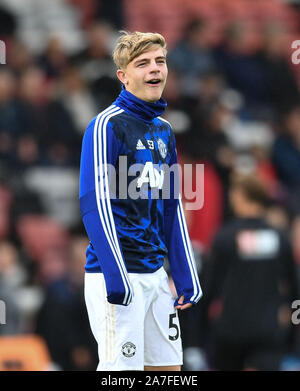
x=145 y=76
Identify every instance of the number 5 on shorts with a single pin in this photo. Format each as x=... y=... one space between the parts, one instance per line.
x=173 y=325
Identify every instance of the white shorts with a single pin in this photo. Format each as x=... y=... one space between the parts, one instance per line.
x=146 y=332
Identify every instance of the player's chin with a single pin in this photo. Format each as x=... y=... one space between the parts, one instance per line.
x=154 y=95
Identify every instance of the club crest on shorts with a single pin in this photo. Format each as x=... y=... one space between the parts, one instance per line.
x=162 y=148
x=128 y=349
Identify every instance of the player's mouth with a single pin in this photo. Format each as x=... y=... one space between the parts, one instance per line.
x=154 y=82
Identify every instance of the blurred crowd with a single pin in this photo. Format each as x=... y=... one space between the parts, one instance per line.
x=234 y=102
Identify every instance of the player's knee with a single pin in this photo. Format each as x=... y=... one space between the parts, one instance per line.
x=163 y=368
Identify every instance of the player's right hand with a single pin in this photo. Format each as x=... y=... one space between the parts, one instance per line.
x=118 y=296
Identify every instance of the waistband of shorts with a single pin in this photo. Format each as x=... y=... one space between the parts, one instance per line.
x=159 y=271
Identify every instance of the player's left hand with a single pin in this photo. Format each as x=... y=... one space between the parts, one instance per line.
x=182 y=307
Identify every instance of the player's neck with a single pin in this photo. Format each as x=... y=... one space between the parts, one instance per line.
x=139 y=108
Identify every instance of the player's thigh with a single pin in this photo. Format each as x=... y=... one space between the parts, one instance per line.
x=118 y=329
x=163 y=346
x=94 y=294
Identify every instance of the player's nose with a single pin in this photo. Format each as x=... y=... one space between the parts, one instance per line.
x=154 y=67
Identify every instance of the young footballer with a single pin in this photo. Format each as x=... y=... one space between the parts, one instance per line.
x=132 y=312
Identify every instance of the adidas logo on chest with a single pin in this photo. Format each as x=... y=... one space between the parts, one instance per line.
x=162 y=148
x=140 y=145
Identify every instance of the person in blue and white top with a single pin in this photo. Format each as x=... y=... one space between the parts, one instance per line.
x=133 y=215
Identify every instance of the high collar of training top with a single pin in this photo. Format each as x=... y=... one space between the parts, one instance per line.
x=139 y=108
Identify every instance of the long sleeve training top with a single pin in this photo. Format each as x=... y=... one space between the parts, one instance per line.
x=130 y=208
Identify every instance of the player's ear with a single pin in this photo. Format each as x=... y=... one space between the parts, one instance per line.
x=121 y=74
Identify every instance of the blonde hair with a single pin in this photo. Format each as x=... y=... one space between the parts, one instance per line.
x=131 y=45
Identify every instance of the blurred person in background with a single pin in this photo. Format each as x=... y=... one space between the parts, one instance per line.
x=62 y=319
x=209 y=144
x=7 y=22
x=19 y=57
x=194 y=46
x=9 y=124
x=6 y=201
x=250 y=284
x=96 y=65
x=286 y=160
x=286 y=151
x=177 y=109
x=209 y=88
x=114 y=12
x=76 y=98
x=12 y=277
x=277 y=216
x=46 y=120
x=12 y=271
x=32 y=102
x=95 y=60
x=27 y=153
x=281 y=84
x=54 y=60
x=236 y=60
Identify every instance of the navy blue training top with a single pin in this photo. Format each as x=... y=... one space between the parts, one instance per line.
x=131 y=223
